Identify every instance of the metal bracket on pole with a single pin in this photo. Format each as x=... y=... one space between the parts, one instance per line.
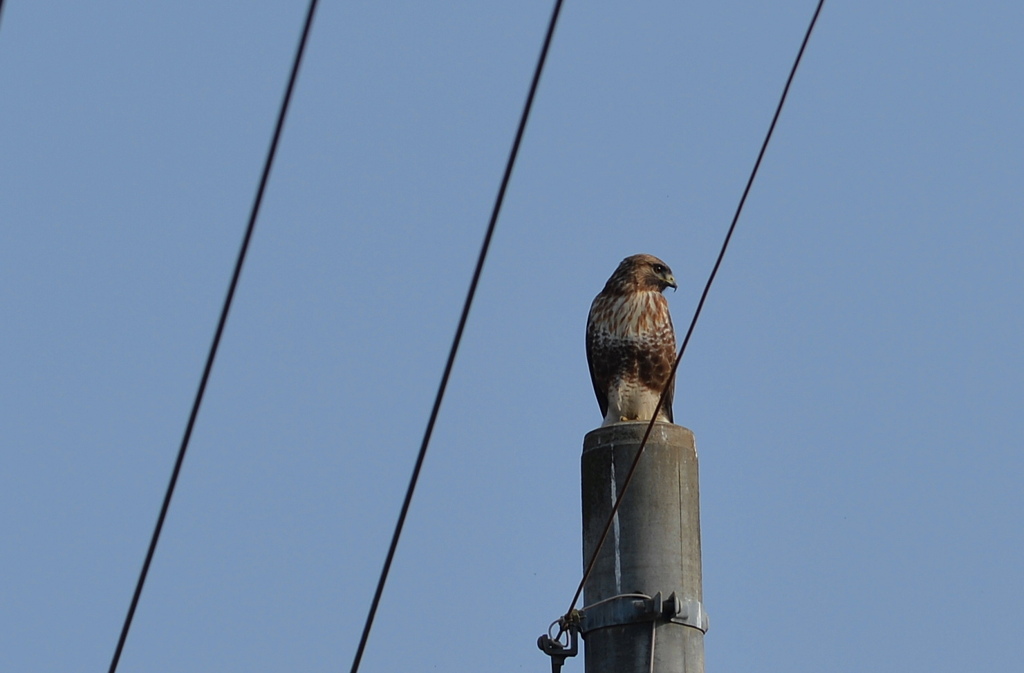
x=634 y=608
x=686 y=611
x=553 y=647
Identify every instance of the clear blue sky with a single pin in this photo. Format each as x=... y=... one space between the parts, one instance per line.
x=856 y=384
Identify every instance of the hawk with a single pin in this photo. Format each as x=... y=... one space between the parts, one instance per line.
x=631 y=346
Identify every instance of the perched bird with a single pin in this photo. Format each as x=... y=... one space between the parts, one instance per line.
x=631 y=345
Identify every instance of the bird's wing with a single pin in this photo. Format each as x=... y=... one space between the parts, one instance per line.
x=598 y=373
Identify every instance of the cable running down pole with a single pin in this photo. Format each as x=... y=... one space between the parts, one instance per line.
x=566 y=619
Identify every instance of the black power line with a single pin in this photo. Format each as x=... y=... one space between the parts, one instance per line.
x=693 y=322
x=217 y=336
x=458 y=337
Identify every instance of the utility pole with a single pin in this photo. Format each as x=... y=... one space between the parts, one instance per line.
x=643 y=609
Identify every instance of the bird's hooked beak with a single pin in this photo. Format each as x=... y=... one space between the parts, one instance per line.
x=670 y=280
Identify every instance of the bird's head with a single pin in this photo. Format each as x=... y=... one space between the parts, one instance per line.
x=643 y=273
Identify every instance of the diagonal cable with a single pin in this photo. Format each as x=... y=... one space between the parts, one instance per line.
x=458 y=337
x=217 y=335
x=693 y=322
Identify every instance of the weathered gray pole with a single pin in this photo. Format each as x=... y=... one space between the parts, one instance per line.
x=643 y=609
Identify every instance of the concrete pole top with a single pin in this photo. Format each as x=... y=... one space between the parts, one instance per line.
x=632 y=432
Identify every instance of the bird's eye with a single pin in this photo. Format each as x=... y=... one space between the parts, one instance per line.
x=658 y=268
